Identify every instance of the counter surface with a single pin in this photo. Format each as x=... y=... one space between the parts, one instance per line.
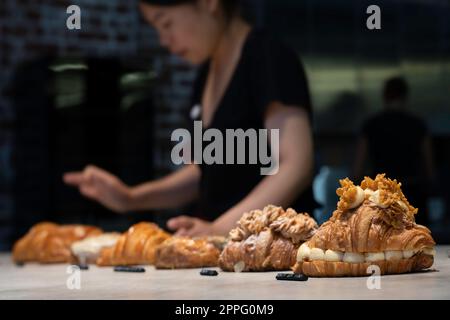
x=34 y=281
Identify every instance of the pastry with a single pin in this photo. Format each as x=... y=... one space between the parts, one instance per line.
x=266 y=240
x=182 y=252
x=48 y=242
x=87 y=251
x=137 y=246
x=373 y=225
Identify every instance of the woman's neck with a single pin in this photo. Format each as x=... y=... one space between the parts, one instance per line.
x=230 y=43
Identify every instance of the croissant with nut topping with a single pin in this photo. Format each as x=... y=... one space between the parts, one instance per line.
x=48 y=242
x=373 y=225
x=266 y=240
x=137 y=246
x=181 y=252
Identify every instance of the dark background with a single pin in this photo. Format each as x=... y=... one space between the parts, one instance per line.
x=108 y=94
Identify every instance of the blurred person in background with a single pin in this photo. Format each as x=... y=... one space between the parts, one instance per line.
x=398 y=143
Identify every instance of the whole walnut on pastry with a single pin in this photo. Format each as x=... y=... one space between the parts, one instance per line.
x=137 y=246
x=266 y=240
x=373 y=225
x=48 y=242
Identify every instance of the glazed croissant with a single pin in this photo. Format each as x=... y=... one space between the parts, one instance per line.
x=137 y=246
x=266 y=240
x=373 y=225
x=181 y=252
x=50 y=243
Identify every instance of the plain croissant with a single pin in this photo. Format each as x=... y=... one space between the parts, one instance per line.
x=48 y=242
x=137 y=246
x=181 y=252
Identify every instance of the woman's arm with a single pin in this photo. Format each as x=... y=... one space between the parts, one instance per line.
x=176 y=189
x=294 y=175
x=295 y=168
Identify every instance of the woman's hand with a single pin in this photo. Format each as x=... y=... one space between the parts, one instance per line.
x=191 y=227
x=100 y=185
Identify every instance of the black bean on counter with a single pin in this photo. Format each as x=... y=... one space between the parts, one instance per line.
x=291 y=277
x=207 y=272
x=129 y=269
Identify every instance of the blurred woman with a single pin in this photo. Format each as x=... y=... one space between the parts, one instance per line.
x=247 y=80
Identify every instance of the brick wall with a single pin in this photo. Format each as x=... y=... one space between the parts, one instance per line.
x=31 y=28
x=109 y=28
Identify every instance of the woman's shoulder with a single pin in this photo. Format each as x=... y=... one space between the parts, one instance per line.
x=265 y=51
x=274 y=72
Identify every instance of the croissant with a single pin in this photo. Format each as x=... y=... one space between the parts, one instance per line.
x=181 y=252
x=48 y=242
x=266 y=240
x=373 y=225
x=137 y=246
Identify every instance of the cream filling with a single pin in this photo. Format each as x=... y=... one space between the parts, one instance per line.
x=393 y=255
x=317 y=254
x=374 y=256
x=333 y=256
x=239 y=266
x=93 y=245
x=353 y=257
x=375 y=198
x=368 y=192
x=408 y=253
x=358 y=199
x=305 y=253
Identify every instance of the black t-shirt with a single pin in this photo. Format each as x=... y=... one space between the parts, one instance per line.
x=394 y=141
x=267 y=71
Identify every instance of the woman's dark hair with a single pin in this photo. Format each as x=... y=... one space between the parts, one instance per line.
x=230 y=7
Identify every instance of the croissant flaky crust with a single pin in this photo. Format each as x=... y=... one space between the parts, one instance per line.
x=181 y=252
x=373 y=224
x=48 y=242
x=266 y=240
x=137 y=246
